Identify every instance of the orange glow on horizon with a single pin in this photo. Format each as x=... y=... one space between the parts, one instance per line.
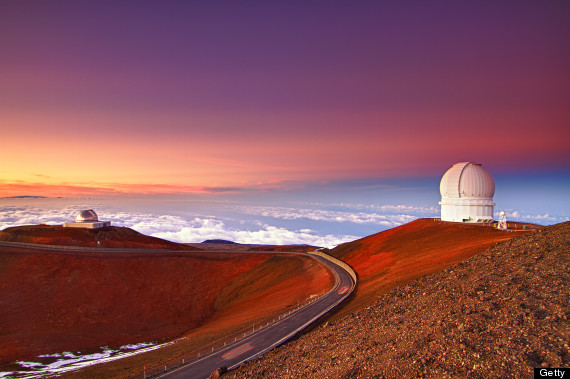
x=20 y=188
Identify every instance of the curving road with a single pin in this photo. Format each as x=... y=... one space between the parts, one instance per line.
x=267 y=338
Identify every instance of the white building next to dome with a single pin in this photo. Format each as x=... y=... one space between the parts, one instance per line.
x=87 y=219
x=467 y=191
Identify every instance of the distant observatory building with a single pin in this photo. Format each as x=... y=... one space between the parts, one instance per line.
x=467 y=191
x=87 y=219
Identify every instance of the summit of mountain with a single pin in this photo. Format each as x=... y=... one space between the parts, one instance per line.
x=397 y=256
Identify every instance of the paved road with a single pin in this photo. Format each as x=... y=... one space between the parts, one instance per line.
x=270 y=336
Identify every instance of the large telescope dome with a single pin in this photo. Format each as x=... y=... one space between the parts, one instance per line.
x=87 y=215
x=467 y=179
x=467 y=191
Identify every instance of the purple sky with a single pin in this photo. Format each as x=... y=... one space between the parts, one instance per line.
x=196 y=96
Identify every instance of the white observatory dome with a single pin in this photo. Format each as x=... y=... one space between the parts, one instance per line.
x=467 y=191
x=87 y=215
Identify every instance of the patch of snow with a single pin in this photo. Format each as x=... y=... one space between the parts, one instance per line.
x=56 y=355
x=135 y=346
x=68 y=361
x=29 y=364
x=69 y=354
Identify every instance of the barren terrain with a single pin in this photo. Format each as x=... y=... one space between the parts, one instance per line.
x=96 y=299
x=496 y=315
x=54 y=301
x=397 y=256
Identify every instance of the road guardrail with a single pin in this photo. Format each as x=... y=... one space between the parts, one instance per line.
x=338 y=262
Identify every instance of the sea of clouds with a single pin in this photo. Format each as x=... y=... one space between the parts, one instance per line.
x=317 y=224
x=178 y=228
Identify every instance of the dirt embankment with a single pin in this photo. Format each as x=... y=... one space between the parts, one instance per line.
x=499 y=314
x=255 y=296
x=55 y=301
x=397 y=256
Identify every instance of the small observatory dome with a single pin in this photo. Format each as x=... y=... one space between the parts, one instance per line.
x=467 y=191
x=87 y=215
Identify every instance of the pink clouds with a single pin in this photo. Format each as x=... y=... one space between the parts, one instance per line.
x=16 y=188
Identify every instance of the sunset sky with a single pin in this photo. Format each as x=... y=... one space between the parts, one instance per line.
x=101 y=98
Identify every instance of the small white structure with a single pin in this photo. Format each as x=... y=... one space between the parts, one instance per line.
x=87 y=219
x=467 y=191
x=502 y=221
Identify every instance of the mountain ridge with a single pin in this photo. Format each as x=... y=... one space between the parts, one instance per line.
x=108 y=237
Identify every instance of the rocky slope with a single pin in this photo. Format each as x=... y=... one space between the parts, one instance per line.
x=498 y=315
x=400 y=255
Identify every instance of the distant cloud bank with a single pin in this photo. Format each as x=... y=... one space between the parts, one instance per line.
x=329 y=216
x=176 y=228
x=315 y=224
x=198 y=229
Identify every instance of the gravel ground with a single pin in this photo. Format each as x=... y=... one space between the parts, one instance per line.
x=496 y=315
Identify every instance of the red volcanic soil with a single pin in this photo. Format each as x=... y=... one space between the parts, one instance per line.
x=54 y=301
x=59 y=301
x=400 y=255
x=256 y=295
x=110 y=237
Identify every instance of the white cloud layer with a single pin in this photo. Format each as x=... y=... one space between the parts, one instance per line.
x=274 y=225
x=176 y=228
x=23 y=215
x=388 y=220
x=386 y=208
x=198 y=229
x=542 y=219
